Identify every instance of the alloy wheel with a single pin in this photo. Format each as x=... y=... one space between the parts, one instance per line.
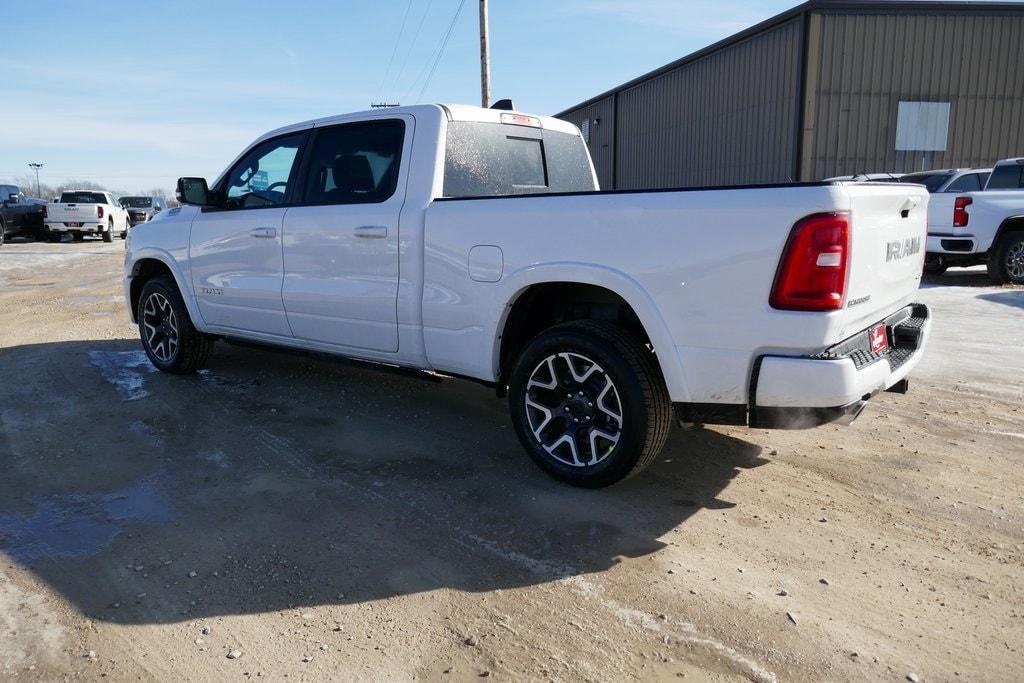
x=1015 y=261
x=573 y=409
x=161 y=326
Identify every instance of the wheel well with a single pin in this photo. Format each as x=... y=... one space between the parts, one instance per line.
x=145 y=270
x=551 y=303
x=1015 y=224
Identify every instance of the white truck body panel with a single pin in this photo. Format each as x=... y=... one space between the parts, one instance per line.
x=427 y=282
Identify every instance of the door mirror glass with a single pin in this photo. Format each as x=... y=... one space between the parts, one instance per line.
x=193 y=191
x=12 y=198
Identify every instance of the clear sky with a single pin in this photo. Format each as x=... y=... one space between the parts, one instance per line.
x=134 y=94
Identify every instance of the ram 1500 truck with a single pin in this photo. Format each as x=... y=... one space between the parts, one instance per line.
x=86 y=212
x=19 y=215
x=475 y=242
x=985 y=227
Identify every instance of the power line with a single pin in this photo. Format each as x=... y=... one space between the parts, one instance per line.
x=394 y=50
x=440 y=52
x=412 y=44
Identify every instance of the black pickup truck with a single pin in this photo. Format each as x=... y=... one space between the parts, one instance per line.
x=19 y=215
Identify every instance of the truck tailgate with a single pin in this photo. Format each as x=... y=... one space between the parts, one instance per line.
x=889 y=231
x=61 y=213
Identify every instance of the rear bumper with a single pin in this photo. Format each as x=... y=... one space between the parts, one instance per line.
x=802 y=392
x=87 y=227
x=951 y=244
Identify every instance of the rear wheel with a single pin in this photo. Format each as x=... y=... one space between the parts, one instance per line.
x=2 y=235
x=170 y=340
x=108 y=234
x=589 y=404
x=1007 y=261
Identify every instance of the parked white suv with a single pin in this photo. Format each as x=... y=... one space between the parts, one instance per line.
x=475 y=242
x=981 y=227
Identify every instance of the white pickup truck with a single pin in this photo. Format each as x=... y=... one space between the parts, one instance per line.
x=86 y=212
x=475 y=242
x=984 y=227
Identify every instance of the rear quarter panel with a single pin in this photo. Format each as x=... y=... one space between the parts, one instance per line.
x=697 y=267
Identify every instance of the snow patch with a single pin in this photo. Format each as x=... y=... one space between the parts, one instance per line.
x=124 y=369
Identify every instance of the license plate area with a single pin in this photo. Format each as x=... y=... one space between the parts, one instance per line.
x=878 y=339
x=73 y=225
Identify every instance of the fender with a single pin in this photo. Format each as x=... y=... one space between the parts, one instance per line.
x=184 y=283
x=1003 y=229
x=614 y=280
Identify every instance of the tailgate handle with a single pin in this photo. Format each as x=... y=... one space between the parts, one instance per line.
x=909 y=205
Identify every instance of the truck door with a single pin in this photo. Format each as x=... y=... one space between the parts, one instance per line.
x=341 y=242
x=235 y=251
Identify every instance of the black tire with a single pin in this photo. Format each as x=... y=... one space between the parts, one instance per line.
x=3 y=233
x=78 y=236
x=191 y=347
x=1006 y=260
x=108 y=234
x=934 y=265
x=637 y=394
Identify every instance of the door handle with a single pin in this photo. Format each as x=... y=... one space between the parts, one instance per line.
x=264 y=232
x=372 y=231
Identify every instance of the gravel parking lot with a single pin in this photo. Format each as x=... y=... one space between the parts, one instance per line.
x=279 y=515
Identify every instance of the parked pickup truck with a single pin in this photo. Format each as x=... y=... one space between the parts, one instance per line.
x=86 y=212
x=986 y=227
x=474 y=242
x=141 y=209
x=19 y=215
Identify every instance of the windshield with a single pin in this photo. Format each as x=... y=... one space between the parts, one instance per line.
x=136 y=202
x=82 y=198
x=933 y=181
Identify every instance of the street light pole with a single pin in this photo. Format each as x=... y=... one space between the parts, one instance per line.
x=36 y=167
x=485 y=58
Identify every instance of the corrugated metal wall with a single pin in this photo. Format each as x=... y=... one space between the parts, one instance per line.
x=868 y=63
x=727 y=118
x=602 y=136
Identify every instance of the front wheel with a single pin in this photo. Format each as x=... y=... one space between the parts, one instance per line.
x=1007 y=261
x=589 y=403
x=170 y=340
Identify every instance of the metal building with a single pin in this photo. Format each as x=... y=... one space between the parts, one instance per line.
x=828 y=88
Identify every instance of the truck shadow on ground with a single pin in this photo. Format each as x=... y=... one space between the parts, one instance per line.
x=273 y=482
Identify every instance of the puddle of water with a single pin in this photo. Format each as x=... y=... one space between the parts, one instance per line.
x=80 y=525
x=124 y=369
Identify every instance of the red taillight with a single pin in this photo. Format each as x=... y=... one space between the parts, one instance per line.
x=960 y=215
x=99 y=211
x=812 y=273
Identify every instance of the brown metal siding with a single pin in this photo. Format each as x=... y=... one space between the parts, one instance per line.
x=869 y=62
x=726 y=118
x=602 y=135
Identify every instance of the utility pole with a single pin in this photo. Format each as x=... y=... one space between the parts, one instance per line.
x=36 y=166
x=485 y=58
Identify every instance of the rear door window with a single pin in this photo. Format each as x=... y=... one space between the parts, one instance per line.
x=355 y=163
x=1007 y=177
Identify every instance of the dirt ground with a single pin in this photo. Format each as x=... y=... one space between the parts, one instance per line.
x=326 y=520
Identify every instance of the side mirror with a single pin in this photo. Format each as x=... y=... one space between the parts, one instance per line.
x=193 y=191
x=12 y=198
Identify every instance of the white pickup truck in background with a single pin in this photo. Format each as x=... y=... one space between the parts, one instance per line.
x=982 y=227
x=475 y=242
x=86 y=212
